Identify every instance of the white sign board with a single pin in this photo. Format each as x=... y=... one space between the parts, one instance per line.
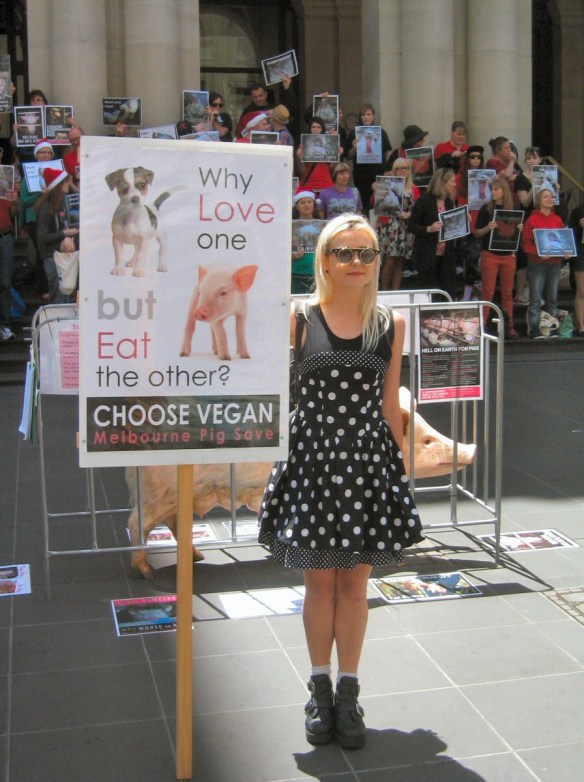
x=184 y=302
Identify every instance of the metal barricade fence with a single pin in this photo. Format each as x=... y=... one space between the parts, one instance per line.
x=467 y=418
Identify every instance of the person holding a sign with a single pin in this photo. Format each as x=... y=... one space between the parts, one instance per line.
x=303 y=260
x=395 y=240
x=314 y=176
x=543 y=274
x=8 y=209
x=433 y=258
x=364 y=174
x=497 y=263
x=340 y=504
x=52 y=233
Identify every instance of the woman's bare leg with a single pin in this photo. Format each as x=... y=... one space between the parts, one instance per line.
x=351 y=616
x=318 y=614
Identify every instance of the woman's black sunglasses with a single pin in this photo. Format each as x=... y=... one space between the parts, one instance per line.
x=346 y=254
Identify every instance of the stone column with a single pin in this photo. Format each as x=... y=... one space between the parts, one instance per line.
x=116 y=55
x=152 y=59
x=524 y=78
x=190 y=50
x=493 y=70
x=38 y=14
x=428 y=66
x=79 y=61
x=353 y=90
x=382 y=63
x=318 y=51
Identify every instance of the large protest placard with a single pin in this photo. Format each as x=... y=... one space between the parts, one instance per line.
x=184 y=302
x=451 y=362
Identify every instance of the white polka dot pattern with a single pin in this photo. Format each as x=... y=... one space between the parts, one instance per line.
x=356 y=506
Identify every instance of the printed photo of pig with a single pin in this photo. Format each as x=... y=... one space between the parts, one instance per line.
x=433 y=452
x=220 y=293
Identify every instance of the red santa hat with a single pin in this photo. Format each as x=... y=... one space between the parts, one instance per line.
x=252 y=120
x=302 y=193
x=42 y=144
x=52 y=177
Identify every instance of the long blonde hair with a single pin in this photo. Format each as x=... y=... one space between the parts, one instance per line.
x=375 y=319
x=402 y=162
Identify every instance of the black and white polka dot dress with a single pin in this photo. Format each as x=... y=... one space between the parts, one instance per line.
x=342 y=497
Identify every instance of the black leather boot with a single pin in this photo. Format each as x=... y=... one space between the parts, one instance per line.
x=320 y=724
x=349 y=726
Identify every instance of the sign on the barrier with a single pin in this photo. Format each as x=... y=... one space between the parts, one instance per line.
x=184 y=306
x=451 y=365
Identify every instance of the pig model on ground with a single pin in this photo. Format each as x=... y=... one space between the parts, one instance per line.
x=433 y=456
x=220 y=293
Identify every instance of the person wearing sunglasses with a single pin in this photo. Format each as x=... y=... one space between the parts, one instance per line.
x=219 y=119
x=468 y=248
x=340 y=504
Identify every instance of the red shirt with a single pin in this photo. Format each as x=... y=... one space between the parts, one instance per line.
x=71 y=163
x=538 y=219
x=447 y=148
x=6 y=223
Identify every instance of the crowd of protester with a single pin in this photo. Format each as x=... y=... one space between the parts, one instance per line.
x=412 y=252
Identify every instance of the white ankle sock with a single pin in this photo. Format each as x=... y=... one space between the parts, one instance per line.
x=340 y=675
x=316 y=670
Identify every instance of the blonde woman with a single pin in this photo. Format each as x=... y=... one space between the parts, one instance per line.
x=395 y=241
x=340 y=504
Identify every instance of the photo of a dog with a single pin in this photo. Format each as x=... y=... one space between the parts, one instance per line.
x=135 y=222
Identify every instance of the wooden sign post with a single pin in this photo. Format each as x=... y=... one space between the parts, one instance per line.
x=184 y=625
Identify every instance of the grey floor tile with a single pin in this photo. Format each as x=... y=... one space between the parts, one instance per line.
x=5 y=641
x=494 y=768
x=433 y=721
x=520 y=710
x=70 y=601
x=234 y=682
x=397 y=665
x=467 y=656
x=466 y=613
x=260 y=746
x=131 y=751
x=4 y=699
x=505 y=767
x=58 y=647
x=91 y=696
x=567 y=634
x=535 y=607
x=288 y=629
x=246 y=635
x=561 y=763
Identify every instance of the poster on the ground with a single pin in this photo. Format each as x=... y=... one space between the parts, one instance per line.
x=438 y=586
x=140 y=615
x=450 y=365
x=186 y=257
x=530 y=540
x=14 y=580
